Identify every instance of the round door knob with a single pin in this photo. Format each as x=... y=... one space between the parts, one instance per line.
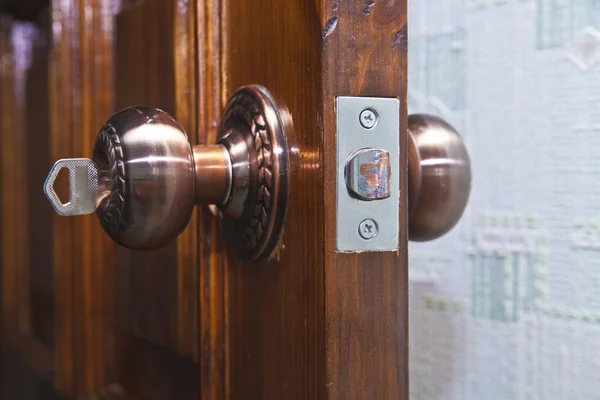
x=439 y=177
x=146 y=170
x=144 y=177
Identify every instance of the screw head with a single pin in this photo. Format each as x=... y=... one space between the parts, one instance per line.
x=368 y=118
x=367 y=229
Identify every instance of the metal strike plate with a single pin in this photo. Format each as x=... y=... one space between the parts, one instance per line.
x=368 y=174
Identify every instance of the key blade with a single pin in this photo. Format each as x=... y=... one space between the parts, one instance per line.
x=83 y=186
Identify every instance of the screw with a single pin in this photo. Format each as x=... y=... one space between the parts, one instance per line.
x=368 y=118
x=367 y=229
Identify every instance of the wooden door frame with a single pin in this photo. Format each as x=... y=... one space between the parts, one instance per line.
x=355 y=304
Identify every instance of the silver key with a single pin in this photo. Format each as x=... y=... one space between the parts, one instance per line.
x=83 y=186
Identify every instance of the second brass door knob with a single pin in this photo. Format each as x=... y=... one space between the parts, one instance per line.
x=439 y=177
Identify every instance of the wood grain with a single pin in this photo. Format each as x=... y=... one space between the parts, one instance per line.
x=157 y=294
x=38 y=278
x=335 y=325
x=276 y=320
x=93 y=251
x=211 y=246
x=79 y=283
x=366 y=294
x=18 y=42
x=190 y=320
x=147 y=282
x=27 y=285
x=7 y=124
x=62 y=128
x=185 y=67
x=30 y=301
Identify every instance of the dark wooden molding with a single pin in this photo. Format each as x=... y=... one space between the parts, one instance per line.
x=27 y=10
x=212 y=253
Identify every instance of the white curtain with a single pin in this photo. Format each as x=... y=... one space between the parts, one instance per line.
x=507 y=306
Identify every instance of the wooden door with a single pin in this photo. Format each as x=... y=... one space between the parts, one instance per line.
x=36 y=291
x=190 y=320
x=318 y=324
x=57 y=341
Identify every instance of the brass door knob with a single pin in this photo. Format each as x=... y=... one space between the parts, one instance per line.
x=439 y=177
x=145 y=177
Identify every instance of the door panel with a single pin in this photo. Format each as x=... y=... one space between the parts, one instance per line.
x=53 y=314
x=157 y=291
x=80 y=95
x=190 y=320
x=333 y=324
x=212 y=248
x=40 y=276
x=276 y=308
x=29 y=297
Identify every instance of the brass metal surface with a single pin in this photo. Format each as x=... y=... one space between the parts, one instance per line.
x=439 y=177
x=151 y=177
x=213 y=174
x=255 y=133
